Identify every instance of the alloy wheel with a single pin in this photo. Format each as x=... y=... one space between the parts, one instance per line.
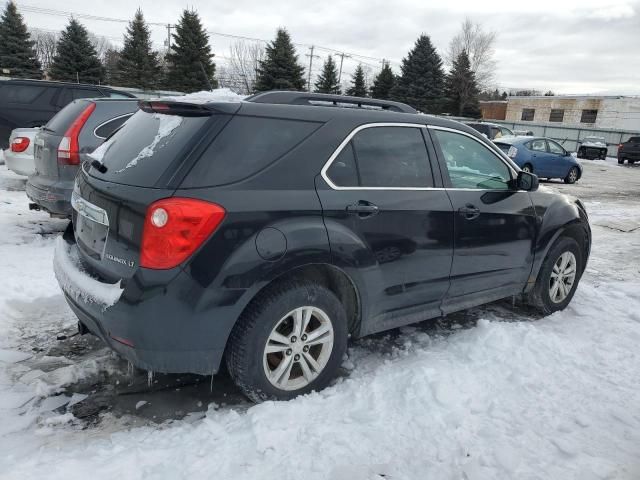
x=563 y=277
x=298 y=348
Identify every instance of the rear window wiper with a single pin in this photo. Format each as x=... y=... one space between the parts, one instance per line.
x=46 y=129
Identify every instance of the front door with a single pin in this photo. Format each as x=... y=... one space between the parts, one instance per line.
x=388 y=228
x=494 y=226
x=557 y=159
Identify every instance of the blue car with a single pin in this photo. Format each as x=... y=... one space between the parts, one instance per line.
x=542 y=156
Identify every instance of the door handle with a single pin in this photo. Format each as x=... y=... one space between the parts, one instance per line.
x=469 y=211
x=363 y=209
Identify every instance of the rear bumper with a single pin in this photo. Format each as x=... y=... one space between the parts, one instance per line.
x=18 y=163
x=54 y=197
x=629 y=155
x=158 y=321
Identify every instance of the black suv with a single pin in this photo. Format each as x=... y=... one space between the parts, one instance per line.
x=32 y=103
x=266 y=232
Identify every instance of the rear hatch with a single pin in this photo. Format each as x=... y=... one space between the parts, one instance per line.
x=141 y=163
x=48 y=140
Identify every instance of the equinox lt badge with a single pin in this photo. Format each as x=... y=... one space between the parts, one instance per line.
x=128 y=263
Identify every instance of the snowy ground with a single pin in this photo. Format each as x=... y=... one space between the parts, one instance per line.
x=494 y=393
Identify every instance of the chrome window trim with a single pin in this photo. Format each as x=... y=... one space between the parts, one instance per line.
x=107 y=121
x=348 y=138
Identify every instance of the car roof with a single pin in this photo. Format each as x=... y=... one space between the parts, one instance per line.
x=517 y=139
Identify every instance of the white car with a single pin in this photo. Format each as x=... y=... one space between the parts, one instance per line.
x=19 y=155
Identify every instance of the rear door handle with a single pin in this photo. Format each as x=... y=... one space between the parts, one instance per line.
x=363 y=209
x=469 y=211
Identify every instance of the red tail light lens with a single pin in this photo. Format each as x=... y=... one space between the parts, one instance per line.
x=174 y=228
x=20 y=144
x=619 y=146
x=69 y=148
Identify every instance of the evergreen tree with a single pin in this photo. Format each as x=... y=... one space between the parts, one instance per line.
x=504 y=95
x=358 y=87
x=421 y=83
x=190 y=54
x=111 y=66
x=17 y=53
x=138 y=64
x=461 y=90
x=76 y=58
x=280 y=69
x=327 y=81
x=383 y=83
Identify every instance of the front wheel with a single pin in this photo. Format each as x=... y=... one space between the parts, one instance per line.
x=558 y=277
x=527 y=168
x=289 y=342
x=572 y=176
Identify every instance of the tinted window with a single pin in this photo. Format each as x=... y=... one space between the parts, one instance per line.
x=84 y=93
x=343 y=171
x=117 y=95
x=21 y=93
x=246 y=146
x=392 y=157
x=527 y=114
x=65 y=117
x=146 y=146
x=555 y=148
x=107 y=128
x=537 y=145
x=470 y=164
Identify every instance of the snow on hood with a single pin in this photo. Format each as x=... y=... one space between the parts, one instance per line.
x=78 y=283
x=166 y=125
x=217 y=95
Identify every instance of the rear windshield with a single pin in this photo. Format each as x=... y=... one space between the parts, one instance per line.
x=60 y=123
x=144 y=148
x=503 y=146
x=246 y=146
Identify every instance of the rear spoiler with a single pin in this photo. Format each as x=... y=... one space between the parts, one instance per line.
x=185 y=109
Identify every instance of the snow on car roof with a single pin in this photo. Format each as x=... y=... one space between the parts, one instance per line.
x=224 y=95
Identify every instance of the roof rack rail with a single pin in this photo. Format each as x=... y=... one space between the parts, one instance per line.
x=328 y=100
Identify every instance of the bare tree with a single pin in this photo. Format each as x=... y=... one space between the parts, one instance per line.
x=244 y=60
x=478 y=44
x=45 y=45
x=101 y=44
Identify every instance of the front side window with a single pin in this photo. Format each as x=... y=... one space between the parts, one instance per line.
x=527 y=114
x=470 y=164
x=555 y=148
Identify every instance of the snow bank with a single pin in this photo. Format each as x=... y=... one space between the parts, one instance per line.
x=75 y=281
x=217 y=95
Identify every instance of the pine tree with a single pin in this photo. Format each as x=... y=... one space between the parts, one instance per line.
x=461 y=89
x=280 y=69
x=422 y=80
x=16 y=47
x=383 y=83
x=190 y=55
x=138 y=64
x=111 y=66
x=358 y=87
x=327 y=81
x=76 y=58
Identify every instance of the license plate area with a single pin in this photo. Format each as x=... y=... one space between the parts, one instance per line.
x=91 y=227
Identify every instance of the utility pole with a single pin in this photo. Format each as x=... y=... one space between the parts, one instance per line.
x=168 y=40
x=311 y=57
x=342 y=57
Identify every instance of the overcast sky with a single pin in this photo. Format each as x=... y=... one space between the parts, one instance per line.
x=568 y=46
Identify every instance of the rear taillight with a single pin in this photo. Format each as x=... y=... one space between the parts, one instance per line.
x=174 y=228
x=20 y=144
x=69 y=148
x=620 y=146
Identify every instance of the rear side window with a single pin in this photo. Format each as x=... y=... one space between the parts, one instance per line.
x=23 y=94
x=343 y=171
x=146 y=146
x=85 y=93
x=246 y=146
x=111 y=94
x=107 y=128
x=65 y=117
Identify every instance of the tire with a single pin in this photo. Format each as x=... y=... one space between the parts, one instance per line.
x=580 y=153
x=540 y=296
x=272 y=314
x=527 y=168
x=631 y=162
x=572 y=176
x=621 y=161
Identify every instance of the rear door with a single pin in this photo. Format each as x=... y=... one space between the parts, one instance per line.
x=389 y=224
x=494 y=226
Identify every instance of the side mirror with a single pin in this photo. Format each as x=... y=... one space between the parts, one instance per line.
x=527 y=181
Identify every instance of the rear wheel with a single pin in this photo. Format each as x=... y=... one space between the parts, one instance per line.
x=558 y=277
x=621 y=161
x=289 y=342
x=580 y=153
x=572 y=176
x=527 y=168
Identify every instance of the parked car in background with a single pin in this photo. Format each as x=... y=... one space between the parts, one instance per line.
x=542 y=156
x=592 y=147
x=266 y=232
x=32 y=103
x=491 y=130
x=19 y=155
x=629 y=151
x=65 y=142
x=523 y=133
